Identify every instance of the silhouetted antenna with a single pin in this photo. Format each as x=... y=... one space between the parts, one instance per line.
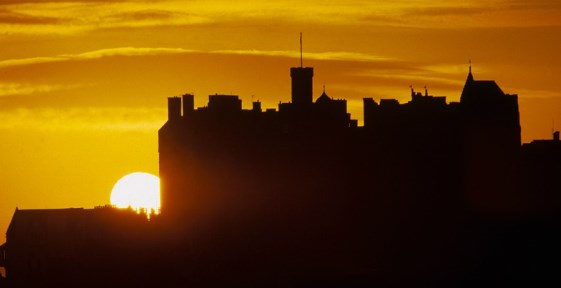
x=426 y=91
x=301 y=60
x=469 y=66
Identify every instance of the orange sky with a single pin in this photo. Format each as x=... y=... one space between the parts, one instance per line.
x=83 y=84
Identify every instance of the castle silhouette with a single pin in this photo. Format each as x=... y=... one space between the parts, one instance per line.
x=426 y=193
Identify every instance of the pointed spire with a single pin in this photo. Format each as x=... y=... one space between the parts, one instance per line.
x=323 y=97
x=426 y=91
x=470 y=76
x=323 y=94
x=467 y=91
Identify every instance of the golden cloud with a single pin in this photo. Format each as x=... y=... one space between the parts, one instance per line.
x=63 y=17
x=110 y=52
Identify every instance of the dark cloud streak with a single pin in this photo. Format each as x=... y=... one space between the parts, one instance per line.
x=9 y=17
x=535 y=4
x=146 y=15
x=447 y=11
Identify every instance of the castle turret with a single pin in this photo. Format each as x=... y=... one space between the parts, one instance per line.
x=302 y=85
x=188 y=104
x=487 y=108
x=174 y=108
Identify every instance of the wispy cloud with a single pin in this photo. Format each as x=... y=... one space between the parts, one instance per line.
x=475 y=14
x=534 y=94
x=19 y=89
x=11 y=2
x=10 y=17
x=111 y=52
x=535 y=4
x=146 y=51
x=70 y=17
x=447 y=11
x=129 y=51
x=333 y=55
x=74 y=17
x=83 y=118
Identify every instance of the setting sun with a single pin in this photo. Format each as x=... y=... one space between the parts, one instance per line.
x=138 y=190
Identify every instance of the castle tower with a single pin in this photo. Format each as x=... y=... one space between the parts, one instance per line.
x=490 y=114
x=174 y=108
x=302 y=85
x=188 y=104
x=490 y=144
x=487 y=108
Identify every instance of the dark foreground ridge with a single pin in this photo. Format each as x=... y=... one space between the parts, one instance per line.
x=425 y=194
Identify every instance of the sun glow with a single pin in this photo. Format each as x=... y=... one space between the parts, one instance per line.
x=139 y=191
